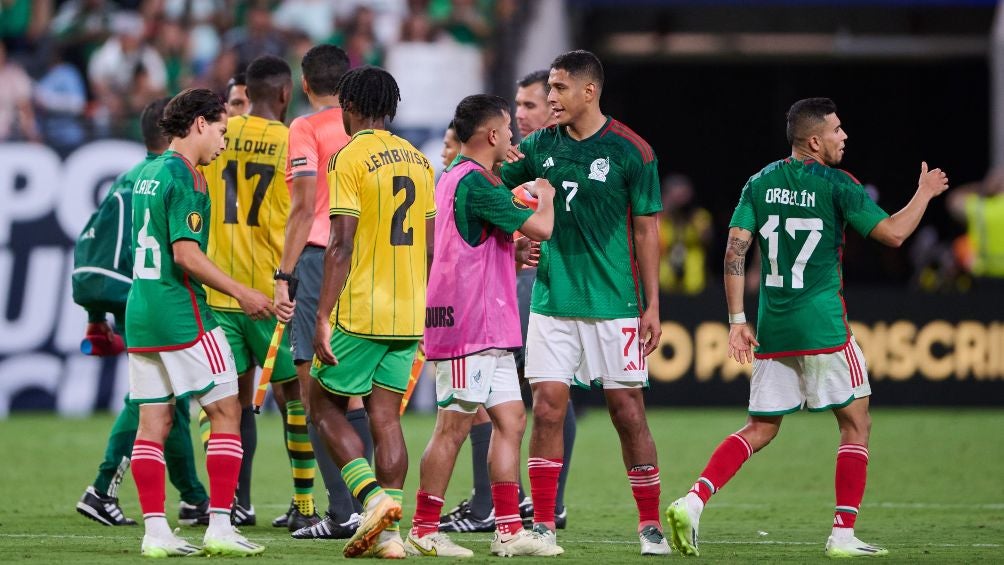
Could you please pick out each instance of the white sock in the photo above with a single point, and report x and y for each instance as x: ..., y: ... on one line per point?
x: 219, y: 524
x: 694, y: 503
x: 157, y: 526
x: 842, y: 534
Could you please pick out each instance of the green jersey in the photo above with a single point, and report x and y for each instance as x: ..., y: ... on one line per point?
x: 102, y: 257
x: 481, y: 204
x: 799, y: 209
x: 588, y: 268
x: 167, y: 308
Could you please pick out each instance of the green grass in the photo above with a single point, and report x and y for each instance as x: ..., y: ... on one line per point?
x: 935, y: 492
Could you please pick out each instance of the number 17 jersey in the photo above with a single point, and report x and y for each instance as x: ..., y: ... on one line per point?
x: 797, y: 211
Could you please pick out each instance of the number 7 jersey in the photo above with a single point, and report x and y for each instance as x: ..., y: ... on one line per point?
x: 797, y: 211
x: 247, y: 187
x: 387, y: 184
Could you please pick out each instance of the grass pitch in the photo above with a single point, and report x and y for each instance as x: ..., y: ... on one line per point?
x: 935, y: 492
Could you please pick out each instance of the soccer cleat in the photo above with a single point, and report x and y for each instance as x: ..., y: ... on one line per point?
x: 171, y: 546
x: 560, y: 519
x: 380, y: 513
x: 240, y: 516
x: 653, y: 542
x: 328, y: 528
x: 526, y: 512
x: 852, y: 547
x: 389, y: 545
x: 193, y: 514
x: 102, y: 509
x: 457, y: 512
x: 435, y: 545
x: 230, y: 544
x: 467, y: 523
x: 282, y: 520
x: 299, y: 520
x: 527, y: 542
x: 683, y: 527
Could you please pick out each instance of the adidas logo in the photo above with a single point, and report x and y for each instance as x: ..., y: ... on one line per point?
x: 549, y: 162
x: 631, y: 366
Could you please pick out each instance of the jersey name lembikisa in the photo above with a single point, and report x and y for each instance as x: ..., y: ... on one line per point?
x: 167, y: 309
x: 588, y: 267
x: 250, y: 205
x: 798, y: 210
x: 388, y: 184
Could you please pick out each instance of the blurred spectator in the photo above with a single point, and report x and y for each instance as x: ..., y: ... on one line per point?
x: 23, y: 23
x: 171, y: 41
x: 312, y: 17
x: 685, y: 232
x: 981, y: 207
x: 200, y: 20
x: 125, y: 74
x: 299, y: 44
x: 358, y: 38
x: 80, y: 27
x: 256, y: 37
x: 217, y: 74
x: 418, y: 28
x: 467, y: 21
x: 61, y: 97
x: 387, y: 15
x: 17, y: 118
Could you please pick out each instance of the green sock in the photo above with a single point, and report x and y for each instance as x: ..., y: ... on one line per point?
x: 301, y: 457
x: 397, y: 495
x: 118, y: 451
x: 362, y: 483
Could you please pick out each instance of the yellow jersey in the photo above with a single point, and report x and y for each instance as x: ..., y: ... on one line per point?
x: 388, y: 184
x: 247, y: 187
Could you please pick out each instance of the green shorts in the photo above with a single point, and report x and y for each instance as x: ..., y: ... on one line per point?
x: 363, y: 363
x: 249, y: 340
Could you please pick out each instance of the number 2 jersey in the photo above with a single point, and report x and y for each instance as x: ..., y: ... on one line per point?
x: 247, y: 185
x: 588, y: 268
x: 797, y: 210
x: 387, y: 184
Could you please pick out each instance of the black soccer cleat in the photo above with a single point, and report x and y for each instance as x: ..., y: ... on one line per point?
x: 526, y: 512
x: 282, y: 520
x: 298, y: 520
x: 240, y: 516
x: 193, y: 514
x: 102, y: 509
x: 328, y: 528
x: 468, y: 522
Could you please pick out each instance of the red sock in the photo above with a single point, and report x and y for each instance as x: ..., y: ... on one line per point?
x: 646, y: 489
x: 505, y: 497
x: 148, y: 470
x: 427, y: 510
x: 223, y: 463
x: 725, y: 462
x: 544, y: 488
x: 852, y: 470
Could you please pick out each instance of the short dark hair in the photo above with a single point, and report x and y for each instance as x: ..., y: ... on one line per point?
x: 452, y: 126
x: 153, y: 136
x: 533, y: 78
x: 806, y: 114
x: 370, y: 92
x: 580, y: 63
x: 188, y: 105
x: 239, y: 79
x: 323, y: 66
x: 266, y: 76
x: 473, y: 111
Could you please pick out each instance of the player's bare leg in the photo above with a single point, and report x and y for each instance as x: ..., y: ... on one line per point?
x: 391, y: 454
x: 550, y: 401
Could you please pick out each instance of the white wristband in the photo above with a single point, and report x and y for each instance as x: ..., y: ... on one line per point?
x: 739, y: 318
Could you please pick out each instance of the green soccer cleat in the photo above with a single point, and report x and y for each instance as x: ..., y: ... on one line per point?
x: 683, y: 527
x: 852, y: 547
x: 230, y: 544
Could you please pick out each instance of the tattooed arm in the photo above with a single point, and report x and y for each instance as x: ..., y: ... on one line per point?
x: 741, y: 336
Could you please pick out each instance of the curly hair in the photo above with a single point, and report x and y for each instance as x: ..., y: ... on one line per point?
x: 370, y: 92
x: 188, y: 105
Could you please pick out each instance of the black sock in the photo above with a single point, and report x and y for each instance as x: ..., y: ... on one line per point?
x: 340, y: 500
x: 249, y: 443
x: 568, y: 433
x: 481, y: 501
x: 360, y: 422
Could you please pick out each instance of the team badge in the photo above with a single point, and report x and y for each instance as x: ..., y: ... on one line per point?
x: 195, y: 222
x: 519, y: 204
x: 599, y: 169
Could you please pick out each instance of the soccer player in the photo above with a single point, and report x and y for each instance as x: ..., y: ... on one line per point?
x: 375, y: 269
x: 471, y: 330
x: 451, y: 145
x: 594, y: 314
x: 313, y: 139
x: 237, y: 95
x: 805, y: 353
x: 246, y: 240
x: 102, y: 275
x: 176, y: 347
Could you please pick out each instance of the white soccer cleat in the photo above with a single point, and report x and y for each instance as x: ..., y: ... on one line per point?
x: 170, y: 546
x: 389, y: 545
x: 527, y: 543
x: 435, y: 545
x: 230, y: 543
x: 683, y: 521
x: 852, y: 547
x: 653, y: 542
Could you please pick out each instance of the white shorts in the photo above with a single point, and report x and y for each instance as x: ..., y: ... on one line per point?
x: 205, y: 370
x: 588, y: 351
x: 487, y: 378
x: 783, y: 385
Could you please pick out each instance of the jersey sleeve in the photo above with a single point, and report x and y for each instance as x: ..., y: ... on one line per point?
x: 515, y: 174
x: 859, y: 210
x: 343, y: 185
x: 302, y: 156
x: 644, y: 190
x: 430, y: 196
x: 186, y: 212
x: 743, y: 216
x: 492, y: 204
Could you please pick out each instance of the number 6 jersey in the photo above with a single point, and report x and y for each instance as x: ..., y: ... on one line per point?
x: 386, y: 183
x: 797, y: 211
